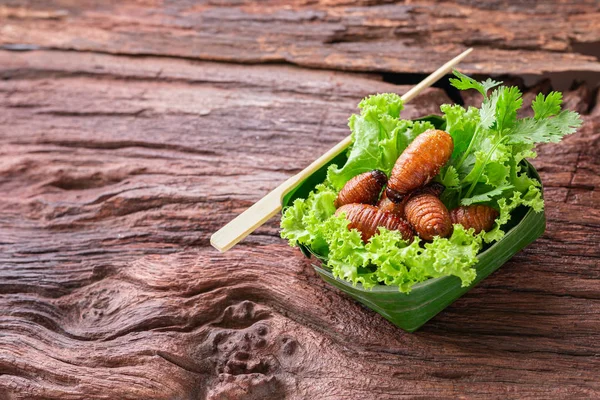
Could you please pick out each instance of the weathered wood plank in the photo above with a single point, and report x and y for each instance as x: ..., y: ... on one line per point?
x: 510, y: 36
x: 114, y: 172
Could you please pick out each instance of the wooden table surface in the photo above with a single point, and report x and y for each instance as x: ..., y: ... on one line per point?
x: 130, y: 131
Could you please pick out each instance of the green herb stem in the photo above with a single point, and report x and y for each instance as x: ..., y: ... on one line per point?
x: 466, y: 153
x: 487, y: 159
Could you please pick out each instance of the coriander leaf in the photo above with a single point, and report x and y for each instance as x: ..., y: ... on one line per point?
x: 449, y: 177
x: 548, y: 106
x: 486, y: 196
x: 508, y: 102
x: 487, y: 113
x: 488, y: 161
x: 531, y: 130
x: 519, y: 178
x: 490, y: 84
x: 465, y: 82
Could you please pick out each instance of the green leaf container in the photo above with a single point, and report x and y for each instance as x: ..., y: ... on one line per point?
x: 426, y: 299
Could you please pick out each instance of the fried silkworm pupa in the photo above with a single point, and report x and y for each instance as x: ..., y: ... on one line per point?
x: 367, y: 219
x: 477, y: 216
x: 434, y: 188
x: 385, y: 204
x: 428, y: 216
x: 419, y: 163
x: 389, y: 206
x: 364, y: 188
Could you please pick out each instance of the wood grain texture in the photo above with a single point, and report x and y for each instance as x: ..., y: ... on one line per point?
x: 115, y: 170
x: 510, y: 36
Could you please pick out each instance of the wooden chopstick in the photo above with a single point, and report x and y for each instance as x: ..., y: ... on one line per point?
x: 245, y: 223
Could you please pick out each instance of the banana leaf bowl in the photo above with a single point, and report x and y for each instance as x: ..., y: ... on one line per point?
x: 426, y: 299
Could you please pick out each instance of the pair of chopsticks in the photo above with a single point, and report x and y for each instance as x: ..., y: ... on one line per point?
x: 245, y: 223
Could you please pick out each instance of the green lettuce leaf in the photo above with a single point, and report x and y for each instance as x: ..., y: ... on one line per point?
x: 389, y: 259
x: 301, y: 221
x: 292, y: 227
x: 532, y: 198
x: 378, y: 138
x: 348, y: 257
x: 461, y: 123
x: 372, y: 139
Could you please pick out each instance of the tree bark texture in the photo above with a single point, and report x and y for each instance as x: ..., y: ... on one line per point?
x: 510, y: 36
x: 126, y: 141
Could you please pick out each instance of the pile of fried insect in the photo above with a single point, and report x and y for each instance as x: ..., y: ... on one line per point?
x: 410, y: 203
x: 381, y: 216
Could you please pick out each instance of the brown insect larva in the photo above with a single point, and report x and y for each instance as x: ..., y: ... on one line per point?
x: 419, y: 163
x: 385, y: 204
x: 428, y: 216
x: 363, y: 188
x: 434, y: 188
x: 367, y: 219
x: 478, y: 216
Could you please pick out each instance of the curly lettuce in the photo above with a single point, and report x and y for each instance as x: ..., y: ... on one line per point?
x: 378, y: 138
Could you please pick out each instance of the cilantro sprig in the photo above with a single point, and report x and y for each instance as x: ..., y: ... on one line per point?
x: 497, y: 139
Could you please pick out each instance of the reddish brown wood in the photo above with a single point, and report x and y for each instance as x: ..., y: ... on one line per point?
x: 115, y: 170
x: 510, y: 36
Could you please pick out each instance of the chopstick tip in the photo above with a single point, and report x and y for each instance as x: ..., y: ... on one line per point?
x: 464, y: 54
x: 213, y: 243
